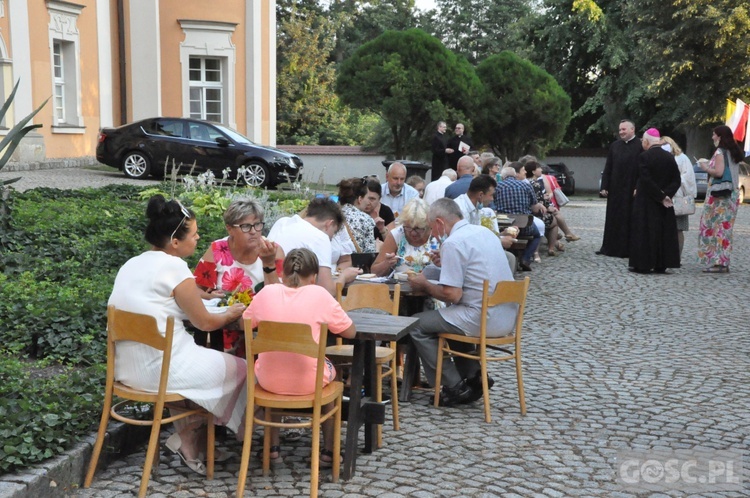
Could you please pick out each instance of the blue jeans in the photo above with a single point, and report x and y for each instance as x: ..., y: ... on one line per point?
x: 533, y: 245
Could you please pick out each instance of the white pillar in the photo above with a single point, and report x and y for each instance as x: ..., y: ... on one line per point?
x: 18, y: 14
x: 145, y: 59
x: 104, y: 50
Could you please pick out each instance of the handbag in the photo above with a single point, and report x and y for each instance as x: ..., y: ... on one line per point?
x: 560, y: 197
x: 683, y: 205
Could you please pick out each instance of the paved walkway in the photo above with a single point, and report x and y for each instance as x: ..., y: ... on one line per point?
x: 613, y: 362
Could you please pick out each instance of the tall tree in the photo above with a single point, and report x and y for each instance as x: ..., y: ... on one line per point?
x: 411, y: 80
x: 479, y: 28
x: 522, y: 108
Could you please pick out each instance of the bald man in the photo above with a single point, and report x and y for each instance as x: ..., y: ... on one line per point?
x: 395, y: 192
x: 465, y: 170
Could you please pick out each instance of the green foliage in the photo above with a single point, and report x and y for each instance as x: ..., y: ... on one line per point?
x: 11, y: 140
x: 478, y: 29
x: 412, y: 81
x: 522, y: 108
x: 44, y: 410
x: 59, y: 256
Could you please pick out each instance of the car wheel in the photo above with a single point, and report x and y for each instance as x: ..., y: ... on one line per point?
x: 742, y: 195
x: 136, y: 165
x: 256, y: 175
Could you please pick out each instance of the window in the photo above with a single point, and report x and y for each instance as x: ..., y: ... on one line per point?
x: 206, y: 89
x: 64, y: 42
x: 208, y: 60
x: 57, y: 65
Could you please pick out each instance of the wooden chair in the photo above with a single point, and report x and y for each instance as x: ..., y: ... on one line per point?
x: 126, y: 326
x: 510, y: 346
x: 292, y: 338
x: 374, y: 296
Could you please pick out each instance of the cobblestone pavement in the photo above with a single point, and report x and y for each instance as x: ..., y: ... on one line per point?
x: 612, y: 362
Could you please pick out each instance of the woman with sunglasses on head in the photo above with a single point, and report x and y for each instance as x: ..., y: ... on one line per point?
x: 239, y: 262
x: 159, y: 283
x: 407, y: 247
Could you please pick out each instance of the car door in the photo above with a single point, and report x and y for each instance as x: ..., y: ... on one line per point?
x: 167, y: 143
x: 210, y: 154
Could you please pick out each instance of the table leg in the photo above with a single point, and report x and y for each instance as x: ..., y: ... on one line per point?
x: 355, y: 403
x: 370, y: 377
x: 411, y: 371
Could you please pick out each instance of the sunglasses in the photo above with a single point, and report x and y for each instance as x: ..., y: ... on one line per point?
x: 185, y: 216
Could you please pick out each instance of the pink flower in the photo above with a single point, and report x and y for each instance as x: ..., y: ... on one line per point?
x: 222, y: 255
x: 235, y: 279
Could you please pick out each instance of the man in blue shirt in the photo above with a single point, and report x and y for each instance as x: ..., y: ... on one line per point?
x: 515, y: 196
x: 465, y: 170
x: 395, y: 192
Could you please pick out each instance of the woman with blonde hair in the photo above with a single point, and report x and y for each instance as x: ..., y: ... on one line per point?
x: 407, y: 246
x: 688, y: 187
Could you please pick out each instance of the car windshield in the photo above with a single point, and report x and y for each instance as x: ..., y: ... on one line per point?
x: 234, y: 135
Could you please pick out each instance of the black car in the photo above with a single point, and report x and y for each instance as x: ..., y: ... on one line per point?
x: 152, y: 146
x: 564, y: 177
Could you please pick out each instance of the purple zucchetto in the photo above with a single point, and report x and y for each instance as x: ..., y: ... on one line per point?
x: 653, y: 132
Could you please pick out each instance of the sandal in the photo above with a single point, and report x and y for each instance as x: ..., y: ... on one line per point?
x: 326, y: 463
x: 560, y: 247
x: 551, y: 252
x: 537, y: 259
x: 274, y: 459
x: 173, y: 443
x: 717, y: 269
x: 572, y: 237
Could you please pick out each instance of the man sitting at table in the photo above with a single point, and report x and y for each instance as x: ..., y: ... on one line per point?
x: 467, y: 257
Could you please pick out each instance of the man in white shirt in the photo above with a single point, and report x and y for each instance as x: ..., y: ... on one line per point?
x: 436, y: 189
x: 395, y: 192
x: 468, y: 255
x: 315, y: 231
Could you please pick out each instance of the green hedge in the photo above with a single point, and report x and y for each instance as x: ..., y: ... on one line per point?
x: 59, y: 253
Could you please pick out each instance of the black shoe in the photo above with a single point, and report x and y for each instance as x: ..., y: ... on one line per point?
x: 476, y: 386
x: 459, y: 394
x: 525, y: 265
x: 636, y: 270
x: 599, y: 253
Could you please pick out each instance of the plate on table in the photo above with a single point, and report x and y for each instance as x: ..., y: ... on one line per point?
x: 366, y: 276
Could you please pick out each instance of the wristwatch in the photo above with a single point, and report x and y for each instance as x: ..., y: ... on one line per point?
x: 269, y: 269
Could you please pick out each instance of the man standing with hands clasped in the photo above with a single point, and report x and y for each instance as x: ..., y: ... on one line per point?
x: 469, y: 254
x: 618, y: 186
x: 653, y: 237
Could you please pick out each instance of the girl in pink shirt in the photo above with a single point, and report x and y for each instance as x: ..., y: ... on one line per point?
x: 297, y: 300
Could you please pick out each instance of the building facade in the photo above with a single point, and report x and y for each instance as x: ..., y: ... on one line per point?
x: 109, y: 62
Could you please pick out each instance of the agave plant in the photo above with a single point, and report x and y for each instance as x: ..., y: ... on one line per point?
x: 9, y: 143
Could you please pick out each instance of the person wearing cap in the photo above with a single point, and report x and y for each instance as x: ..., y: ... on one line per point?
x: 618, y: 183
x: 653, y: 230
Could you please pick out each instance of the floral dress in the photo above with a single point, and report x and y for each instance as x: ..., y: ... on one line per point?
x: 231, y: 276
x: 412, y: 257
x: 547, y: 218
x: 716, y: 226
x: 362, y: 227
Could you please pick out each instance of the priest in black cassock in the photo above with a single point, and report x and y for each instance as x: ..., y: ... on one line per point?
x: 439, y: 151
x: 618, y: 184
x: 459, y: 137
x: 653, y: 227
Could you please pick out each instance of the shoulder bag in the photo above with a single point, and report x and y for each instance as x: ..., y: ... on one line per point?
x: 683, y: 205
x: 560, y: 197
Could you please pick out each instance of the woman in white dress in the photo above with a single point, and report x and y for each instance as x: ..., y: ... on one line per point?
x: 159, y: 283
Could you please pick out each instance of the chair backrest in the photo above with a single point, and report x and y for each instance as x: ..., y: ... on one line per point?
x: 373, y: 296
x: 127, y: 326
x: 289, y: 338
x: 506, y: 292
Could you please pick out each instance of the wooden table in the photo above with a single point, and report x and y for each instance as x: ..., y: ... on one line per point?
x: 414, y: 305
x: 371, y: 328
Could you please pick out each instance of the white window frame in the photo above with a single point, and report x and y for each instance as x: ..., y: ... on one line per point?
x: 203, y: 84
x: 210, y: 39
x: 67, y: 116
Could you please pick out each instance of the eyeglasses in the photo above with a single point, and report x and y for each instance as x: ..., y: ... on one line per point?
x: 416, y: 229
x: 185, y: 216
x: 248, y: 227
